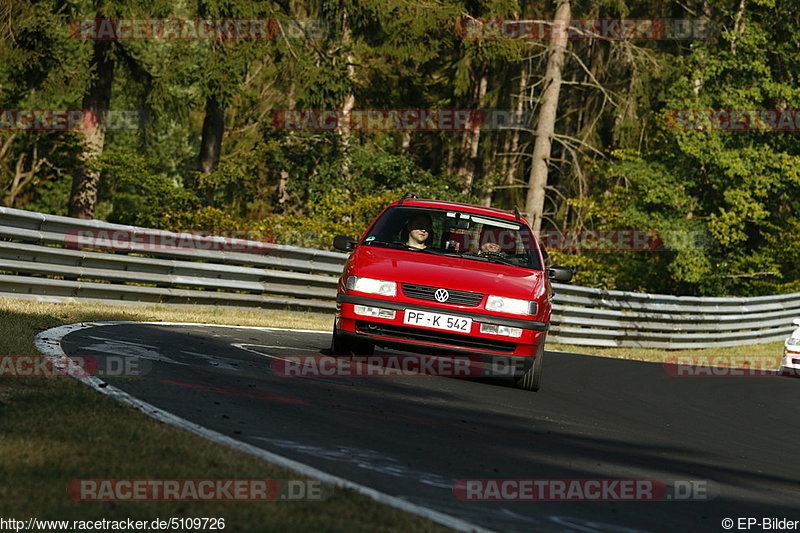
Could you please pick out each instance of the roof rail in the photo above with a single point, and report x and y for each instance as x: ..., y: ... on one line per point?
x: 406, y: 196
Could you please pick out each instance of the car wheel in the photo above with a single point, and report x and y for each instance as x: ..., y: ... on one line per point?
x: 342, y: 346
x: 531, y: 380
x: 364, y: 348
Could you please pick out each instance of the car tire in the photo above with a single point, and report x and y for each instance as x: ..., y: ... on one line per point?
x: 364, y: 348
x: 532, y: 378
x: 342, y: 346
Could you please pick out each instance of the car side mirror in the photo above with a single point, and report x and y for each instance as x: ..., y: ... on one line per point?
x: 344, y: 243
x: 559, y: 273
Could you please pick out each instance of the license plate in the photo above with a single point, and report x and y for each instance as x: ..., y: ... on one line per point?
x: 435, y: 320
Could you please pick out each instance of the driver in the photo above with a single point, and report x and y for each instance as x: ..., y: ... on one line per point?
x: 419, y: 230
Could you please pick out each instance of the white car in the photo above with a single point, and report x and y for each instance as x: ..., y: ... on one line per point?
x: 791, y: 352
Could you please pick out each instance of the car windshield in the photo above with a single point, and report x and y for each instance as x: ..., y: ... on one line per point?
x: 451, y: 232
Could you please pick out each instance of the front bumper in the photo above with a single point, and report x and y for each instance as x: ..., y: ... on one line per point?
x: 394, y: 332
x: 791, y: 358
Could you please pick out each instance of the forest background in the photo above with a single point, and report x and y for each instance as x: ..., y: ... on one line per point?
x: 189, y: 136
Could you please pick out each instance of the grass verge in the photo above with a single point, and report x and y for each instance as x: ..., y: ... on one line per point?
x: 56, y: 430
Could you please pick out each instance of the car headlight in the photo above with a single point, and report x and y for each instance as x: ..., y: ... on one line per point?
x: 373, y: 286
x: 511, y: 305
x: 793, y: 341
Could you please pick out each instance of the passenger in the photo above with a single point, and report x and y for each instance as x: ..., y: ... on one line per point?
x: 491, y: 238
x: 419, y: 229
x: 491, y: 247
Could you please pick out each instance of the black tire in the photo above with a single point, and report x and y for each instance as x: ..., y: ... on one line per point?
x: 360, y: 347
x: 342, y: 346
x: 339, y: 346
x: 532, y: 379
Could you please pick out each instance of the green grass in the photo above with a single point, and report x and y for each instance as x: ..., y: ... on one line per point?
x: 55, y: 430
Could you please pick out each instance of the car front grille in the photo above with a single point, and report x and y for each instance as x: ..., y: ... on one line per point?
x: 424, y: 292
x: 439, y: 337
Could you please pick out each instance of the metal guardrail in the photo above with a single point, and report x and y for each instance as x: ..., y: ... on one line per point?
x: 43, y: 257
x: 595, y: 317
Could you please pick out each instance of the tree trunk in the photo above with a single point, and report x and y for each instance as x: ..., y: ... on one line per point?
x: 512, y: 161
x: 697, y: 83
x: 349, y: 99
x: 472, y: 139
x: 738, y: 26
x: 500, y: 143
x: 213, y: 130
x: 405, y: 142
x: 283, y: 182
x: 537, y: 180
x: 96, y: 101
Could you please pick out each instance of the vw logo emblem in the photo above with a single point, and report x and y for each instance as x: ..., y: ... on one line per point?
x: 441, y: 295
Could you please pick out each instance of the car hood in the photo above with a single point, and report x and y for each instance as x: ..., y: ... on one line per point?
x: 447, y: 272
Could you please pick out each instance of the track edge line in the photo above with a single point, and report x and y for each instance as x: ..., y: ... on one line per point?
x: 49, y: 343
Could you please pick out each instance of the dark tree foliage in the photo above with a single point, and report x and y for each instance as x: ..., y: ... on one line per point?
x: 202, y: 148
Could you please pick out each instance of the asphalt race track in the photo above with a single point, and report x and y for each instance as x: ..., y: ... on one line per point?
x: 414, y: 437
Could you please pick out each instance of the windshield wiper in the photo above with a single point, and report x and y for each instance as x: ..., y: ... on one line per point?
x: 488, y: 258
x: 494, y: 259
x: 402, y: 246
x: 395, y: 244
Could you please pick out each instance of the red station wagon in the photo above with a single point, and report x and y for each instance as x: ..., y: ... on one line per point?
x: 447, y: 277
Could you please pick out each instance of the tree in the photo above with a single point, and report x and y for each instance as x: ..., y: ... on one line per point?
x: 96, y: 101
x: 534, y: 201
x: 106, y: 54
